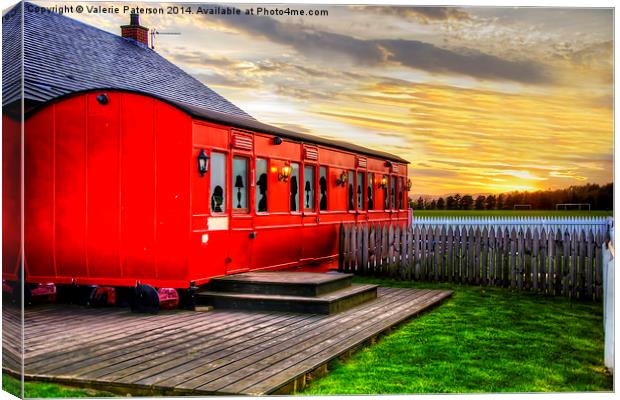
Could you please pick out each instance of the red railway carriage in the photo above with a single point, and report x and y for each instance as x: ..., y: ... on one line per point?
x: 122, y: 187
x: 160, y: 181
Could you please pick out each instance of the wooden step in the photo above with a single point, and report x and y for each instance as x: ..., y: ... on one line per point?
x: 329, y: 303
x: 284, y: 283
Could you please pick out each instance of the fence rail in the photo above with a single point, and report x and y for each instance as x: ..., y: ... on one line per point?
x: 566, y: 262
x: 596, y: 224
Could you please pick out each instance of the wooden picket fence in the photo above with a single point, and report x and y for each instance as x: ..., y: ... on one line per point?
x: 563, y: 263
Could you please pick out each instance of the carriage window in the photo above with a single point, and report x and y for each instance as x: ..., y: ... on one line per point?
x: 240, y: 183
x: 323, y: 188
x: 386, y: 199
x: 218, y: 182
x: 308, y: 188
x: 261, y: 185
x: 393, y: 192
x: 360, y: 190
x: 400, y: 193
x: 351, y: 194
x: 294, y: 190
x: 371, y: 200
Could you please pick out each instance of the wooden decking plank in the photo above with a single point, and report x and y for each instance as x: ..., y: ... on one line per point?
x: 100, y: 324
x: 91, y: 326
x: 118, y: 371
x: 105, y: 346
x: 125, y: 346
x: 279, y: 348
x: 114, y: 331
x: 308, y: 360
x: 208, y: 345
x: 234, y: 346
x: 70, y: 316
x: 203, y: 366
x: 322, y: 338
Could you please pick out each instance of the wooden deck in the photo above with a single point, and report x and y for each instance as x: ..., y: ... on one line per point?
x: 183, y: 352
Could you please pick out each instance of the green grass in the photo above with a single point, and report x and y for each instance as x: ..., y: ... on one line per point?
x: 480, y: 340
x: 43, y: 389
x: 509, y: 213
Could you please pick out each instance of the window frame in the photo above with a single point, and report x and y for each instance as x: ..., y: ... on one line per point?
x: 249, y: 192
x: 318, y: 192
x: 225, y: 153
x: 371, y: 183
x: 364, y: 187
x: 351, y: 184
x: 315, y: 205
x: 288, y: 184
x: 267, y: 163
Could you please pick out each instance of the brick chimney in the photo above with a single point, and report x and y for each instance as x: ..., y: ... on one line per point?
x: 135, y: 31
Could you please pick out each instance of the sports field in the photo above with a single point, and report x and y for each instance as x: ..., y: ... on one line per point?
x: 510, y: 213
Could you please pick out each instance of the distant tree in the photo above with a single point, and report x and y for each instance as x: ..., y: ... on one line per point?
x: 450, y: 203
x: 419, y: 205
x: 501, y: 201
x: 466, y: 202
x: 410, y: 203
x: 457, y: 201
x: 433, y: 205
x: 441, y: 203
x: 479, y: 203
x: 491, y: 201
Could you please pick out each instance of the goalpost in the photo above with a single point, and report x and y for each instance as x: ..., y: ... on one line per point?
x: 572, y: 206
x: 522, y: 207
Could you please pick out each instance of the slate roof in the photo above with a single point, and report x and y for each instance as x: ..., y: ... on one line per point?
x: 62, y: 56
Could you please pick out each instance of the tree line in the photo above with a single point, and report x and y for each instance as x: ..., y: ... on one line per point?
x: 599, y: 197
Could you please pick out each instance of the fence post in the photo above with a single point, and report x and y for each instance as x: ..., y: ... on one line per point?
x: 608, y: 302
x: 582, y: 264
x: 506, y: 271
x: 417, y: 251
x: 364, y: 268
x: 341, y: 247
x: 449, y: 249
x: 534, y: 259
x: 513, y: 255
x: 410, y: 263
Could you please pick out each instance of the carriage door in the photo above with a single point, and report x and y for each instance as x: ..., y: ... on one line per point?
x: 309, y: 200
x: 241, y: 185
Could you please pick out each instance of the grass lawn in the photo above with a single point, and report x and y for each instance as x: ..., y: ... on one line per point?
x: 42, y: 389
x: 510, y: 213
x: 480, y: 340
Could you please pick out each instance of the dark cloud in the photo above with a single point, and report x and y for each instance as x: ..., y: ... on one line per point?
x: 234, y: 81
x: 410, y: 53
x: 425, y: 15
x: 428, y: 57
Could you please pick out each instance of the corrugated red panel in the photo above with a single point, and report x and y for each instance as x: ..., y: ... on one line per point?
x: 311, y: 153
x: 242, y: 142
x: 361, y: 162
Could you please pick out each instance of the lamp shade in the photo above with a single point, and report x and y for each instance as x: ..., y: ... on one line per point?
x: 238, y: 181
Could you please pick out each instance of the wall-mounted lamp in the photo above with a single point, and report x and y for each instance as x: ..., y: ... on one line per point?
x: 277, y: 140
x: 388, y: 164
x: 285, y: 173
x: 102, y: 99
x: 342, y: 180
x: 203, y: 162
x: 408, y: 184
x: 382, y: 183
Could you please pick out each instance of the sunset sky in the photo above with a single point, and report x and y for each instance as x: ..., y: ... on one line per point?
x: 480, y: 100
